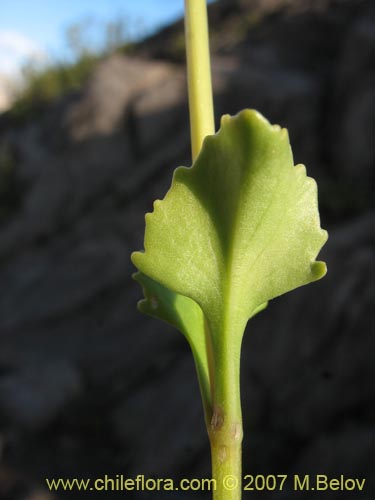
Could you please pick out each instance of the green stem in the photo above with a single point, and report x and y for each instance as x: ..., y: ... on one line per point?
x: 226, y: 466
x: 225, y: 430
x: 223, y: 418
x: 199, y: 73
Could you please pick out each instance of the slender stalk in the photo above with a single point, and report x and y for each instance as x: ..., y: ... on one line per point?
x: 223, y: 414
x: 226, y: 467
x: 225, y: 430
x: 199, y: 73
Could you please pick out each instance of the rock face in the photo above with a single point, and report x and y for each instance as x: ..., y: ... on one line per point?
x: 88, y: 386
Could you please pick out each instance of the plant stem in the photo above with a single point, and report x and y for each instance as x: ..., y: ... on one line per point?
x: 225, y: 430
x: 224, y: 421
x: 199, y: 73
x: 226, y: 467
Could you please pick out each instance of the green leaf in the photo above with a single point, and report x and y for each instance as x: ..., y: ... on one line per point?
x: 238, y: 228
x: 186, y: 316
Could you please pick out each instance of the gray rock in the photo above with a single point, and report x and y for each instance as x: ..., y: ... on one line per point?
x: 336, y: 461
x: 102, y: 107
x: 70, y: 281
x: 33, y: 395
x: 354, y: 90
x: 156, y: 113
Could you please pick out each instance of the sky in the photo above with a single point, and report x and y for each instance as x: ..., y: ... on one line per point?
x: 36, y: 29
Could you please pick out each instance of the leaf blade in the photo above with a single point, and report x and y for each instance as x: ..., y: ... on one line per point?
x: 184, y: 314
x: 238, y: 228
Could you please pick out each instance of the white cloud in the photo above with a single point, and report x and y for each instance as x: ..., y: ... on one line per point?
x: 15, y: 51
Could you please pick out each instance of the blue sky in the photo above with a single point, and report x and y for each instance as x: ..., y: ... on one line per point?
x: 37, y: 28
x: 44, y: 21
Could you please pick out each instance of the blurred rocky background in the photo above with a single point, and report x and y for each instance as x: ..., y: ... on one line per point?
x: 88, y: 386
